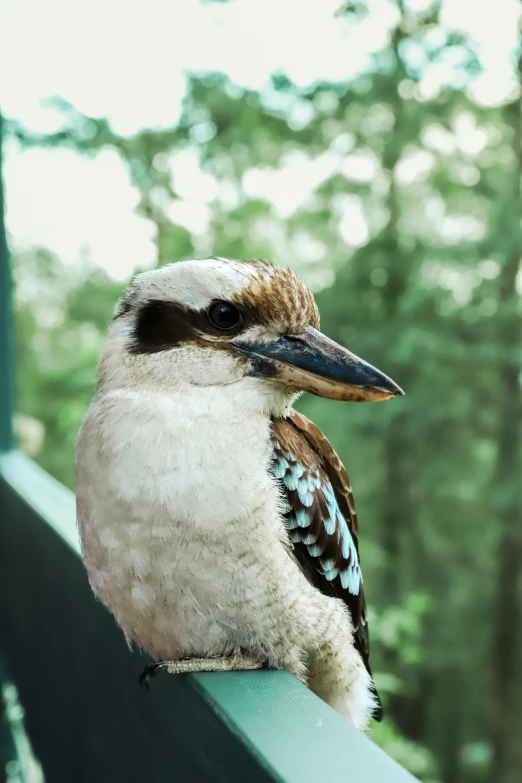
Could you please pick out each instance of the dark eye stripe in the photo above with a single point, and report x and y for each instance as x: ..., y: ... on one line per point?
x: 161, y: 325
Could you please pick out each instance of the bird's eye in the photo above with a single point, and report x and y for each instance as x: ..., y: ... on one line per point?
x: 224, y: 316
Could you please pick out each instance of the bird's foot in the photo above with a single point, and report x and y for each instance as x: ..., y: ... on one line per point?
x: 233, y: 663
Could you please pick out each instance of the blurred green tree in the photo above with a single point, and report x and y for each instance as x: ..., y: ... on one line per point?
x: 409, y: 229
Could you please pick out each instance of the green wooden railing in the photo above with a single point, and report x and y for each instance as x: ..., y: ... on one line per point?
x: 86, y: 716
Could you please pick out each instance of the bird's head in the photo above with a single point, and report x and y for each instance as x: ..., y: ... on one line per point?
x: 220, y: 321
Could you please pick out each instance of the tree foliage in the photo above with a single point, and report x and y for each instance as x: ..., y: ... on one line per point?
x: 426, y: 290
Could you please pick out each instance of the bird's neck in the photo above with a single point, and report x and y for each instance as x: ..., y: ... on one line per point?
x: 205, y: 454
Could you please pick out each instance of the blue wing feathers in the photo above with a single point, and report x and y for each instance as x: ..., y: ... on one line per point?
x: 303, y: 523
x: 321, y: 519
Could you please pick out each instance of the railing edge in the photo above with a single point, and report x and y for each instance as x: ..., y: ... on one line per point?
x: 53, y: 502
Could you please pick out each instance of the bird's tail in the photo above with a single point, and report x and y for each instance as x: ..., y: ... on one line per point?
x: 378, y: 712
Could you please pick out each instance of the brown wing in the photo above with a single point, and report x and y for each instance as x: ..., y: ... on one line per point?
x: 321, y: 520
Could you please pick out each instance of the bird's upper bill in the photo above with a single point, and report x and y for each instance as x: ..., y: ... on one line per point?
x: 260, y: 319
x: 312, y: 362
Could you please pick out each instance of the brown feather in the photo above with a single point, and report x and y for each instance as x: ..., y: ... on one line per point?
x: 299, y: 442
x: 278, y: 298
x: 334, y: 467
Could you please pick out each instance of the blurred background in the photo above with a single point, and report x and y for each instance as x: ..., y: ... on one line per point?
x: 376, y: 148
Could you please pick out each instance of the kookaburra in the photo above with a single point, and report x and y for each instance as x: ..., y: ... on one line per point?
x: 217, y: 523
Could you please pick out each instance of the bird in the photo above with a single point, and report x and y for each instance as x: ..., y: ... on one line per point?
x: 217, y: 523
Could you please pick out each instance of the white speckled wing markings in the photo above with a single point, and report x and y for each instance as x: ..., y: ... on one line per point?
x: 305, y: 527
x: 321, y: 519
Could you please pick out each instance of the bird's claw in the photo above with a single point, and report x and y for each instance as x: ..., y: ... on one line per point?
x: 150, y: 671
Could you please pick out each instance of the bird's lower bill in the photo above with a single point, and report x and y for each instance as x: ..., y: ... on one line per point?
x: 312, y: 362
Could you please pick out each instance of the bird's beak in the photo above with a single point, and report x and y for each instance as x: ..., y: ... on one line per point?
x: 312, y: 362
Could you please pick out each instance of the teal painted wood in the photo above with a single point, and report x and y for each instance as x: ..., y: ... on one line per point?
x: 7, y: 382
x: 255, y: 726
x: 53, y: 503
x: 298, y: 737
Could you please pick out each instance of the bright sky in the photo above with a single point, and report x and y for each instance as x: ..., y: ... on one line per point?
x: 126, y: 60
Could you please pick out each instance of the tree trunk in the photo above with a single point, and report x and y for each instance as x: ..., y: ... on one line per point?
x: 397, y: 513
x: 507, y: 608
